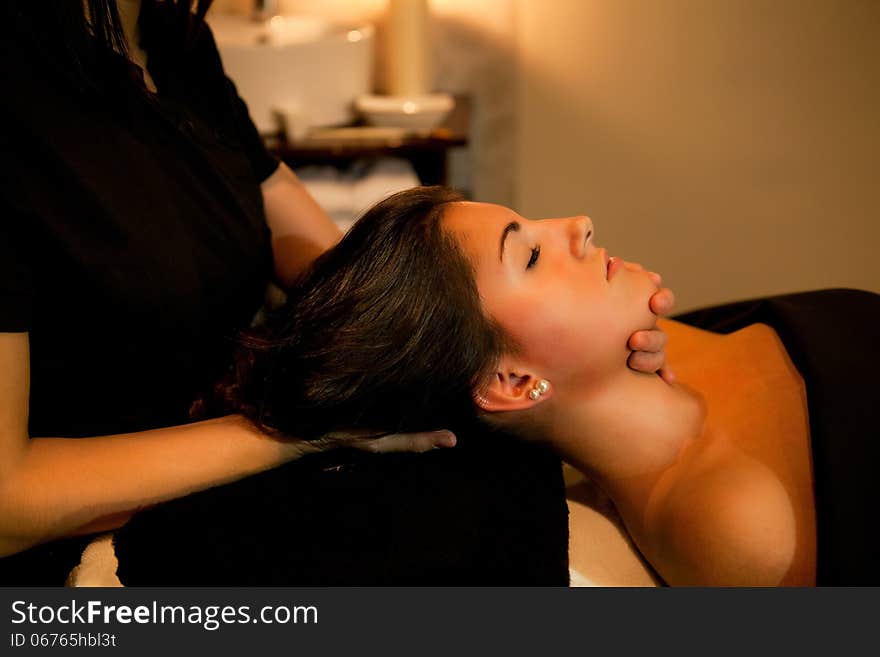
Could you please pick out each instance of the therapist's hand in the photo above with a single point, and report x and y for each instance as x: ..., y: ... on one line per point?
x: 648, y: 346
x: 370, y: 441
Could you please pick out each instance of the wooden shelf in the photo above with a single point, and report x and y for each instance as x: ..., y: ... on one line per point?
x: 426, y: 150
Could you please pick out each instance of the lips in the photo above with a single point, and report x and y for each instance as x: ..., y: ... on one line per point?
x: 613, y: 266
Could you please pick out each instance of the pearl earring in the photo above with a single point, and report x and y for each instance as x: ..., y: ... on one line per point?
x: 541, y: 387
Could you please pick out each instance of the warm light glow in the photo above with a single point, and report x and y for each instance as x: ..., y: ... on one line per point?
x: 354, y: 36
x: 410, y: 107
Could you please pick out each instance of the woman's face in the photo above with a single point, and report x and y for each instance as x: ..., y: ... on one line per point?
x: 547, y: 284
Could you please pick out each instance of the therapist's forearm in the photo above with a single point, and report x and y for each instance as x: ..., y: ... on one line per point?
x: 67, y: 486
x: 301, y: 230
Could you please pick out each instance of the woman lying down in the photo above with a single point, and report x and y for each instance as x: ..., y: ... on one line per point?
x: 750, y: 469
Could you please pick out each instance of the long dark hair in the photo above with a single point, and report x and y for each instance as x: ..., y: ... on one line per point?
x: 385, y: 332
x: 75, y: 36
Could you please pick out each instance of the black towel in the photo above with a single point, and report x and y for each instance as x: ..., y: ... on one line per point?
x: 491, y: 511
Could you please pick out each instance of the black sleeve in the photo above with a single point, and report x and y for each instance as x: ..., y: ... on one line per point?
x: 262, y: 161
x: 16, y: 281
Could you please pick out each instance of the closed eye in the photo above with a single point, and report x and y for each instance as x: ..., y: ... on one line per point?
x: 536, y: 253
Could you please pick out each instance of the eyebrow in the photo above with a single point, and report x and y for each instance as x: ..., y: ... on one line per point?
x: 512, y: 227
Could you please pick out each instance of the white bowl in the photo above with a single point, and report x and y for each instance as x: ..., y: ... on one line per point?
x: 412, y: 112
x: 319, y: 66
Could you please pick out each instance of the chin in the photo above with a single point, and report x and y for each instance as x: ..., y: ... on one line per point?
x: 642, y: 317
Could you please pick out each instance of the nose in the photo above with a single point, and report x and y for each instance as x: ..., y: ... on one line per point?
x: 580, y: 233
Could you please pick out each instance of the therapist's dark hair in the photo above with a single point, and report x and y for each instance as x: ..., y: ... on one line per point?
x: 76, y: 36
x: 385, y: 332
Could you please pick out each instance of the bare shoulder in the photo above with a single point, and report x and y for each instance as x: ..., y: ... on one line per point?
x: 731, y: 525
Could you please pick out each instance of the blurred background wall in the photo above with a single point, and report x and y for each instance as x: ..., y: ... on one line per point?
x: 731, y: 145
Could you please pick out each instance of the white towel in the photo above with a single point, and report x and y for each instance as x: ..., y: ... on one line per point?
x: 97, y: 566
x: 345, y: 195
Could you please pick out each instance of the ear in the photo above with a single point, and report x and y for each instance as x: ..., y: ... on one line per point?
x: 509, y: 390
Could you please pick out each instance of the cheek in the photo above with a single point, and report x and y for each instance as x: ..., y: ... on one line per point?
x: 568, y: 335
x: 588, y: 347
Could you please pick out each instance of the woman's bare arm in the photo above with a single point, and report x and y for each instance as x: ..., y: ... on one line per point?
x: 301, y: 230
x: 733, y: 525
x: 54, y: 487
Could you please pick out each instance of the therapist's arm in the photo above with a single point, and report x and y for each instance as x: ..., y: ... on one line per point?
x: 56, y: 487
x: 301, y: 230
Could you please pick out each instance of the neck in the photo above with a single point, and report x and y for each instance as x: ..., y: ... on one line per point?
x: 128, y: 14
x: 627, y: 434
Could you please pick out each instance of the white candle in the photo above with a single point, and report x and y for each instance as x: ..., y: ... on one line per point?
x: 407, y: 69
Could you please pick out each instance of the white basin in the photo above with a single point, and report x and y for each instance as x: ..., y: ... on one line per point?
x: 300, y: 65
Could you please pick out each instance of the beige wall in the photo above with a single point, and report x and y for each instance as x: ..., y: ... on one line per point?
x: 732, y: 145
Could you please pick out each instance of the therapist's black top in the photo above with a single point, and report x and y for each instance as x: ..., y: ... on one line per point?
x: 133, y: 243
